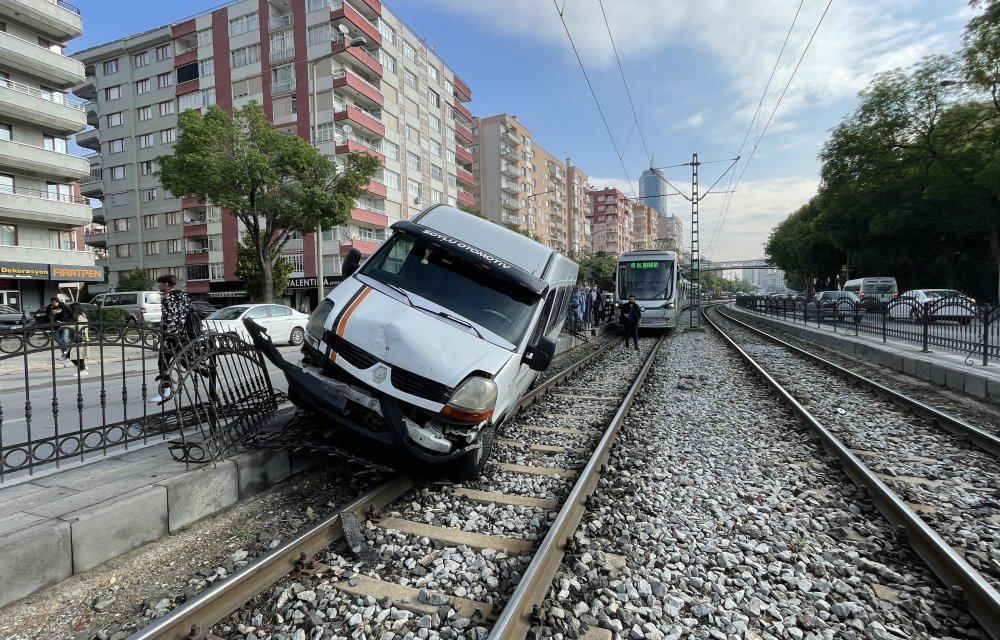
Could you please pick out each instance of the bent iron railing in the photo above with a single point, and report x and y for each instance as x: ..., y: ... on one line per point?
x: 954, y: 324
x: 51, y: 416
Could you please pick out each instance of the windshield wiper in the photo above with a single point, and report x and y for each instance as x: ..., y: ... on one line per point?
x: 396, y: 289
x: 456, y: 319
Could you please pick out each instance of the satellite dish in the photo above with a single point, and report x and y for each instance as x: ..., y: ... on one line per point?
x: 343, y: 28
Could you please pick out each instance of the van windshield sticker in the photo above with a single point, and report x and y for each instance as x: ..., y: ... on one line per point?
x: 488, y: 257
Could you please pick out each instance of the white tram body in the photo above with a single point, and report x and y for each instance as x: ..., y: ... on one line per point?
x: 653, y: 277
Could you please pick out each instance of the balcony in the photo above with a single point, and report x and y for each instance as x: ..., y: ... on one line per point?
x: 92, y: 186
x: 508, y: 152
x: 365, y: 246
x: 282, y: 55
x: 87, y: 89
x: 510, y: 136
x: 339, y: 45
x: 464, y: 154
x: 356, y: 145
x: 461, y: 108
x: 90, y: 109
x: 277, y: 23
x: 509, y: 169
x: 466, y: 197
x: 57, y: 211
x: 59, y: 21
x: 463, y: 132
x: 464, y: 175
x: 89, y: 139
x: 377, y: 189
x: 52, y: 110
x: 363, y: 119
x: 510, y: 187
x: 369, y: 217
x: 98, y: 217
x: 282, y: 87
x: 55, y: 69
x: 353, y: 17
x: 95, y: 238
x: 354, y: 85
x: 197, y: 255
x: 371, y: 9
x: 462, y: 90
x: 195, y: 228
x: 36, y: 161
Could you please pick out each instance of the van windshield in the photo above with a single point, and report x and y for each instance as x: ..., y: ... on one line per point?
x: 414, y: 265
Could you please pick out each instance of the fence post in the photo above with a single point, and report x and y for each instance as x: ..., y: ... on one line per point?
x: 885, y: 322
x: 927, y: 328
x: 985, y: 311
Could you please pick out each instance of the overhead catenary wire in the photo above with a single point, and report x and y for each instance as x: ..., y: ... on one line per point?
x: 594, y: 95
x: 770, y: 118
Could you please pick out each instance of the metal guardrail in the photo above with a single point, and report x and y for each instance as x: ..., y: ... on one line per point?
x: 43, y: 195
x: 955, y: 324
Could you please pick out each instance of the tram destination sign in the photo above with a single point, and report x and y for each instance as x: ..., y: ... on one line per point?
x: 649, y: 264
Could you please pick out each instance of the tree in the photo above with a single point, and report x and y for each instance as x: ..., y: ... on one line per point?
x: 524, y: 232
x: 598, y: 269
x: 135, y: 280
x: 274, y: 183
x: 468, y: 208
x: 249, y: 272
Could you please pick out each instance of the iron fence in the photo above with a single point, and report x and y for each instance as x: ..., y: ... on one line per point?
x: 955, y: 324
x: 102, y: 398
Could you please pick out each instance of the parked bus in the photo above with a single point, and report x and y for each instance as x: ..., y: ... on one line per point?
x: 653, y: 277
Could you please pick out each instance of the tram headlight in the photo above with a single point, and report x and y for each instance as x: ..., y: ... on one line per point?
x: 473, y: 401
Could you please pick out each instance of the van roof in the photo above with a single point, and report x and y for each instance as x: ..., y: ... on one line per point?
x: 493, y: 238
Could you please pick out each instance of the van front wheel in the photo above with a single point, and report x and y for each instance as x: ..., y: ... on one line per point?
x: 471, y: 465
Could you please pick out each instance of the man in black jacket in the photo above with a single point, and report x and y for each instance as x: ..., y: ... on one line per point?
x: 176, y: 306
x: 58, y: 316
x: 630, y: 318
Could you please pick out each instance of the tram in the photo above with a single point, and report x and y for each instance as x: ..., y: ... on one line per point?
x: 653, y: 277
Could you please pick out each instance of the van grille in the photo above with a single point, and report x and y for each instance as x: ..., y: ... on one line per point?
x: 402, y: 379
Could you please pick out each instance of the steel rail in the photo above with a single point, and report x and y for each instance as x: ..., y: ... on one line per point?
x: 979, y: 437
x: 193, y: 619
x: 515, y: 620
x: 965, y: 583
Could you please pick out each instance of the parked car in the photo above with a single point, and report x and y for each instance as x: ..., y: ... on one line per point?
x: 834, y: 305
x: 937, y: 304
x: 283, y: 324
x: 10, y: 319
x: 203, y: 309
x: 139, y: 305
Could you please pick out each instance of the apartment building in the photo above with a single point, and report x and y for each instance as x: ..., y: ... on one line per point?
x: 345, y: 74
x: 611, y: 221
x: 643, y: 226
x: 41, y: 211
x: 520, y: 184
x: 670, y: 233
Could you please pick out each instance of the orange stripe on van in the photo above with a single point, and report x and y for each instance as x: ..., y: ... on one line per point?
x: 347, y: 314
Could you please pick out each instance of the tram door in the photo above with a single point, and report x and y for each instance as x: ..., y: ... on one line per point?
x: 11, y: 299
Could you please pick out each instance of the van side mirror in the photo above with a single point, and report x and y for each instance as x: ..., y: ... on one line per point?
x: 539, y: 355
x: 351, y: 263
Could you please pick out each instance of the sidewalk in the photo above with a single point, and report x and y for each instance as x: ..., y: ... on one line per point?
x: 12, y: 365
x: 942, y: 368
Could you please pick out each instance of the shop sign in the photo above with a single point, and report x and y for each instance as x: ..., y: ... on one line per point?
x: 75, y: 273
x: 310, y: 283
x: 61, y: 272
x: 24, y: 271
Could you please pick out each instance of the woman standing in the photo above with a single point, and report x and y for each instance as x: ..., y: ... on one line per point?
x: 78, y: 354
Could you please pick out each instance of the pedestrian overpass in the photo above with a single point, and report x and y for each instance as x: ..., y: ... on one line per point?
x: 710, y: 265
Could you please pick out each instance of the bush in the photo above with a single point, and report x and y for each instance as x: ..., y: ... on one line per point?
x: 108, y: 316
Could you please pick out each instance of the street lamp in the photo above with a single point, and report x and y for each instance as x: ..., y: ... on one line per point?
x: 351, y: 42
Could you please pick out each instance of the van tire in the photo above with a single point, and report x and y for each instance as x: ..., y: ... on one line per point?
x: 471, y: 465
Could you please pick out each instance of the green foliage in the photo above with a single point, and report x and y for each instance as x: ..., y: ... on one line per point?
x: 468, y: 208
x: 108, y: 316
x: 135, y: 280
x: 597, y: 269
x: 275, y: 183
x: 524, y: 232
x: 248, y: 270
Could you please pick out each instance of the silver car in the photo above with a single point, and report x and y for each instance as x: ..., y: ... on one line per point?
x: 934, y: 304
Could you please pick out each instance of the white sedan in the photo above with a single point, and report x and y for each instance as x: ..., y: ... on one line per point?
x: 283, y: 324
x: 938, y: 304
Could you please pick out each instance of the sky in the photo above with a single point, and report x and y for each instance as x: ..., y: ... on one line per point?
x: 690, y: 76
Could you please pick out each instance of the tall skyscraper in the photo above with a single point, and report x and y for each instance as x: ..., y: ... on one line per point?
x: 653, y: 190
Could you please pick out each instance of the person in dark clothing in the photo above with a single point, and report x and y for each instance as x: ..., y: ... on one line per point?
x: 176, y: 306
x: 59, y: 317
x: 630, y: 318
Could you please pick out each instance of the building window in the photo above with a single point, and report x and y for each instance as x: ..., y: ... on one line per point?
x: 410, y: 78
x: 151, y: 248
x: 437, y: 173
x: 119, y: 199
x: 388, y: 33
x: 413, y: 189
x: 168, y: 135
x: 215, y: 242
x: 114, y: 119
x: 217, y: 271
x: 147, y: 195
x: 144, y: 113
x: 245, y: 55
x: 409, y: 52
x: 246, y: 87
x: 110, y: 66
x: 412, y: 161
x: 172, y: 219
x: 388, y: 62
x: 437, y: 196
x: 413, y: 134
x: 140, y: 59
x: 6, y: 183
x: 166, y: 107
x: 197, y: 272
x: 433, y: 97
x: 435, y: 148
x: 145, y: 140
x: 326, y: 132
x: 142, y: 86
x: 8, y: 235
x: 433, y: 122
x: 57, y: 191
x: 173, y: 246
x: 432, y: 73
x: 116, y: 146
x: 123, y: 224
x: 113, y: 93
x: 390, y: 149
x: 118, y: 173
x: 205, y: 37
x: 319, y: 34
x: 165, y: 80
x: 52, y: 143
x: 390, y: 179
x: 316, y: 5
x: 149, y: 222
x: 164, y: 52
x: 213, y: 213
x: 206, y: 67
x: 244, y: 24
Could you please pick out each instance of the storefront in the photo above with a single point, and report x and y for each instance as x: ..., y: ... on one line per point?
x: 303, y: 294
x: 27, y: 286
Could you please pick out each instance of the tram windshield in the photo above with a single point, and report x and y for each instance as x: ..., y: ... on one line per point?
x: 646, y: 279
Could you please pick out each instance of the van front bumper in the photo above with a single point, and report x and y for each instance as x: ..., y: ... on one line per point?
x: 310, y: 390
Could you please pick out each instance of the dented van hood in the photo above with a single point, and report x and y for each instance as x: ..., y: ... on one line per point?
x: 409, y: 338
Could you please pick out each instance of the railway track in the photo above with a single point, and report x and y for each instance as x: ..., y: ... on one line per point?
x: 931, y: 474
x: 472, y: 558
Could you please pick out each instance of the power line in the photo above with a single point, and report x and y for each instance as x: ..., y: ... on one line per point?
x: 594, y: 95
x: 625, y: 82
x: 770, y: 118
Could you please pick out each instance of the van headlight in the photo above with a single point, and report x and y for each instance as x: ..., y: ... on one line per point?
x: 670, y: 305
x: 473, y: 401
x: 317, y: 321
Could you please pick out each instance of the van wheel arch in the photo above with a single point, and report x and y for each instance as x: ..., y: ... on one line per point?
x: 472, y: 464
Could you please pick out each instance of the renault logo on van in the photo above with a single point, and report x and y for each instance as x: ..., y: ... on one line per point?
x: 378, y: 375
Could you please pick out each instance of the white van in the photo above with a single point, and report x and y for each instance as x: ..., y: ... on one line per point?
x: 880, y: 288
x: 430, y: 344
x: 139, y: 305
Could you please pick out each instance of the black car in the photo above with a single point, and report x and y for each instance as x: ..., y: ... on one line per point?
x: 202, y: 308
x: 11, y: 319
